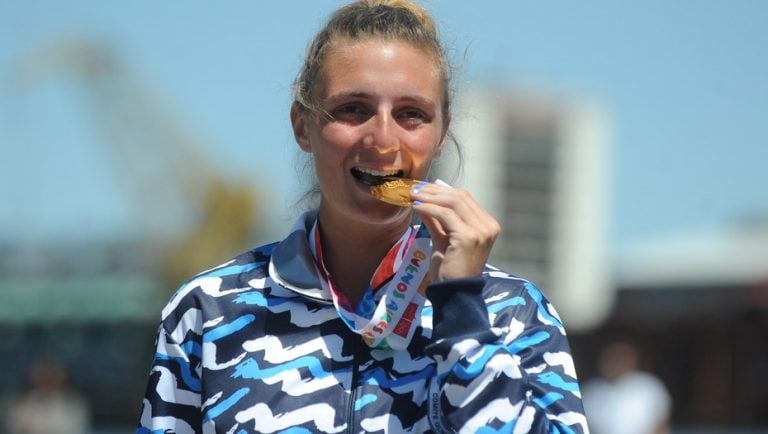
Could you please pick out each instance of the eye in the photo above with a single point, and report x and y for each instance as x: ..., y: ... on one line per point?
x: 412, y: 117
x: 354, y: 112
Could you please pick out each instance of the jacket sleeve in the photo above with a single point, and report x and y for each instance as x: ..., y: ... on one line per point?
x: 516, y: 375
x: 172, y: 400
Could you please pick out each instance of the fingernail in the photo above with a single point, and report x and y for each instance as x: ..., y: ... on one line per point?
x: 417, y: 188
x: 416, y: 202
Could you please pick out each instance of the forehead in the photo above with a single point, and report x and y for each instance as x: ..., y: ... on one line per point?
x: 341, y: 44
x: 380, y: 64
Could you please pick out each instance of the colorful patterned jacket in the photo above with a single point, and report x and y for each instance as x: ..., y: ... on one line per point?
x: 255, y: 345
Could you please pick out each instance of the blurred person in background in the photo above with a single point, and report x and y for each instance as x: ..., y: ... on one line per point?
x: 626, y: 400
x: 359, y: 320
x: 48, y: 405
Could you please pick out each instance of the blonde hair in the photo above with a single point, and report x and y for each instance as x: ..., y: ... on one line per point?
x: 391, y: 20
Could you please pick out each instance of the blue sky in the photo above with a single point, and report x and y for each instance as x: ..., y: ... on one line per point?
x: 683, y: 83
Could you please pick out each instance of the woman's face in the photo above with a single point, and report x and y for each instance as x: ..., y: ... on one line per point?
x: 384, y: 99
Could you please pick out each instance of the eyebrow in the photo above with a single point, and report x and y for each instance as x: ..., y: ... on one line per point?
x: 365, y: 95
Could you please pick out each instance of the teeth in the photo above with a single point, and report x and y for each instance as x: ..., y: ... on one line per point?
x: 378, y: 172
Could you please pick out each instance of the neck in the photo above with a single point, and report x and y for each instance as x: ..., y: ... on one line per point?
x: 353, y: 250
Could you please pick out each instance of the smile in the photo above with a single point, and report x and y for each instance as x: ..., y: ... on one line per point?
x: 374, y: 177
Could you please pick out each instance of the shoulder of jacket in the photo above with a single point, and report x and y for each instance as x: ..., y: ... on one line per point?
x: 522, y: 298
x: 502, y: 288
x: 497, y: 280
x: 243, y: 272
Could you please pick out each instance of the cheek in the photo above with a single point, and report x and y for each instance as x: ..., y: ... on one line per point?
x: 337, y: 136
x: 425, y: 148
x: 329, y: 151
x: 328, y: 148
x: 422, y: 161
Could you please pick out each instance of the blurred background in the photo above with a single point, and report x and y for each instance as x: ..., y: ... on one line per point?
x: 621, y: 144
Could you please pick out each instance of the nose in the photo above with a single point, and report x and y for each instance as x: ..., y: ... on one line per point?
x: 382, y: 134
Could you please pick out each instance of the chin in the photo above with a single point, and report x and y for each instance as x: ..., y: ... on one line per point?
x: 383, y: 213
x: 375, y: 213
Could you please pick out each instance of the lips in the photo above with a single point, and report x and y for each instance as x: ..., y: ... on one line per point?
x: 371, y: 177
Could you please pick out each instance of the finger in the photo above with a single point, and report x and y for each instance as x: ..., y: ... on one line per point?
x: 433, y: 225
x: 444, y: 219
x: 458, y: 200
x: 457, y: 211
x: 441, y: 197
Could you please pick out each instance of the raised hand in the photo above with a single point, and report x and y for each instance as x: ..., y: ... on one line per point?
x: 462, y: 232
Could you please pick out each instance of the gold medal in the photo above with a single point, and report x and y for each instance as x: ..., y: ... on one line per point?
x: 395, y: 191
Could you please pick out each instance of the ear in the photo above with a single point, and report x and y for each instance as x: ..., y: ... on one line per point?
x: 299, y: 123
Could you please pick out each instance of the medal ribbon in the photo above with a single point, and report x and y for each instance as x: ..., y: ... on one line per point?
x: 392, y: 322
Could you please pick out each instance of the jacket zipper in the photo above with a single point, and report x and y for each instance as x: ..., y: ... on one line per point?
x: 353, y: 388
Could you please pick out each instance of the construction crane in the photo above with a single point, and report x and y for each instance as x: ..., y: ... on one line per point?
x: 171, y: 177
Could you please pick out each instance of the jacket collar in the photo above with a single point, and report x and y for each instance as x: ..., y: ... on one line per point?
x: 292, y: 265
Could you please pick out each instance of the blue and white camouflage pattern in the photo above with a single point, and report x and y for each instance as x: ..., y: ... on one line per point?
x: 239, y: 353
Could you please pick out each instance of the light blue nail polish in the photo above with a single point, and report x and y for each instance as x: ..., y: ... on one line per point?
x: 416, y: 202
x: 417, y: 188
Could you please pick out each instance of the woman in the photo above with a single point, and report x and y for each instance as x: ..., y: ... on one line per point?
x: 358, y: 321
